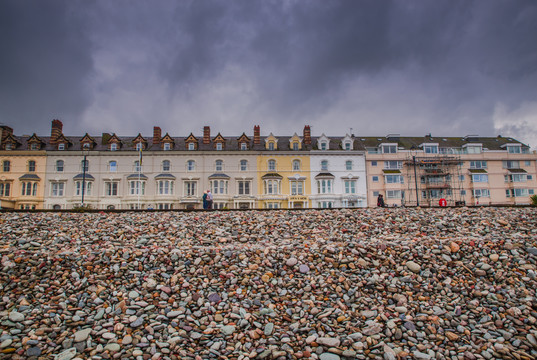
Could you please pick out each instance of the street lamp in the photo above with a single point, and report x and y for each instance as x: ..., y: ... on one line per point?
x: 85, y: 151
x: 413, y: 152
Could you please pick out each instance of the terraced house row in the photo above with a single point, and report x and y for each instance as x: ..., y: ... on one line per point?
x: 253, y: 171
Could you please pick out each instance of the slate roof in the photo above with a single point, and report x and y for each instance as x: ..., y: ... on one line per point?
x: 232, y: 144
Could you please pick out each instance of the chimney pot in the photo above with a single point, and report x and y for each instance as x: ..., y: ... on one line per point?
x: 206, y: 135
x: 257, y: 137
x: 55, y: 131
x: 307, y: 135
x: 157, y: 134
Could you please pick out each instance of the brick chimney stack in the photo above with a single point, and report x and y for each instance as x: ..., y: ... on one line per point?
x: 157, y: 135
x: 257, y: 137
x: 307, y: 135
x: 55, y: 131
x: 206, y: 135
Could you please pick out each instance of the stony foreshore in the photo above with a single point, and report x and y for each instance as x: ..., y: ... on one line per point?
x: 338, y: 284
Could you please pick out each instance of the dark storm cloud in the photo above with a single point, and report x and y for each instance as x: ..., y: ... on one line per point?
x: 45, y: 61
x: 453, y: 67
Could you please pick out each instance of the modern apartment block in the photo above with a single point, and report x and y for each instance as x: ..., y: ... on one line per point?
x: 470, y: 170
x: 253, y: 171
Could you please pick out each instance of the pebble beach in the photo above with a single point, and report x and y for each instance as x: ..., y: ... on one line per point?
x: 402, y: 283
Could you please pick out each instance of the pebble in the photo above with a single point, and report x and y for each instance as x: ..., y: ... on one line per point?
x: 337, y: 284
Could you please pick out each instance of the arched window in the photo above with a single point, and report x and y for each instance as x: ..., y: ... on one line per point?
x: 59, y: 165
x: 296, y: 165
x: 219, y: 165
x: 324, y: 165
x: 166, y: 166
x: 31, y: 166
x: 272, y: 165
x: 244, y: 165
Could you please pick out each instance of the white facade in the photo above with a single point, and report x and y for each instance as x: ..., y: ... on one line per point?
x: 338, y: 179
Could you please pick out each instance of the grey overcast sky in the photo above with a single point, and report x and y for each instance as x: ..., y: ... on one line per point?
x: 446, y: 67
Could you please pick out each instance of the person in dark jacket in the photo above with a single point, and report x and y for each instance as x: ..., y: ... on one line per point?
x: 380, y: 201
x: 205, y: 201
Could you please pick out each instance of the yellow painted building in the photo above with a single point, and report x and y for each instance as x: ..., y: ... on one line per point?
x: 283, y: 174
x: 22, y: 179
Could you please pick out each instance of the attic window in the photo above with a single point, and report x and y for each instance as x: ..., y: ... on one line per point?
x: 61, y: 146
x: 271, y: 145
x: 347, y: 145
x: 166, y: 146
x: 191, y: 146
x: 323, y: 145
x: 139, y: 146
x: 86, y: 145
x: 113, y: 147
x: 243, y: 146
x: 218, y: 146
x: 34, y: 146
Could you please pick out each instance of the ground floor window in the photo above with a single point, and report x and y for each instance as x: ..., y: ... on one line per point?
x: 27, y: 207
x: 56, y: 207
x: 165, y: 187
x: 324, y: 205
x: 481, y: 193
x: 272, y: 205
x: 272, y: 186
x: 57, y: 189
x: 111, y: 207
x: 29, y: 188
x: 244, y: 187
x: 349, y: 203
x: 350, y: 186
x: 518, y: 192
x: 243, y: 205
x: 110, y: 188
x: 5, y: 188
x: 137, y: 187
x: 394, y: 194
x: 190, y: 188
x: 87, y: 188
x: 219, y: 205
x: 219, y: 186
x: 165, y: 206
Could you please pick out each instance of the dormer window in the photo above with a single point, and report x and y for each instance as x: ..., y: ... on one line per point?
x: 514, y: 149
x: 139, y: 146
x: 166, y: 146
x: 389, y: 148
x: 61, y: 146
x: 113, y: 147
x: 430, y: 148
x: 9, y: 146
x: 86, y: 146
x: 34, y: 146
x: 191, y: 146
x: 271, y: 145
x: 347, y: 145
x: 244, y: 146
x: 218, y: 146
x: 472, y: 148
x: 323, y: 145
x: 295, y: 146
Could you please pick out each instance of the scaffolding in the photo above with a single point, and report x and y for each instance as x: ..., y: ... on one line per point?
x: 433, y: 177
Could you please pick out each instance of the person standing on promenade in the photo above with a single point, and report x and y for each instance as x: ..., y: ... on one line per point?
x: 380, y: 201
x: 205, y: 201
x: 209, y: 199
